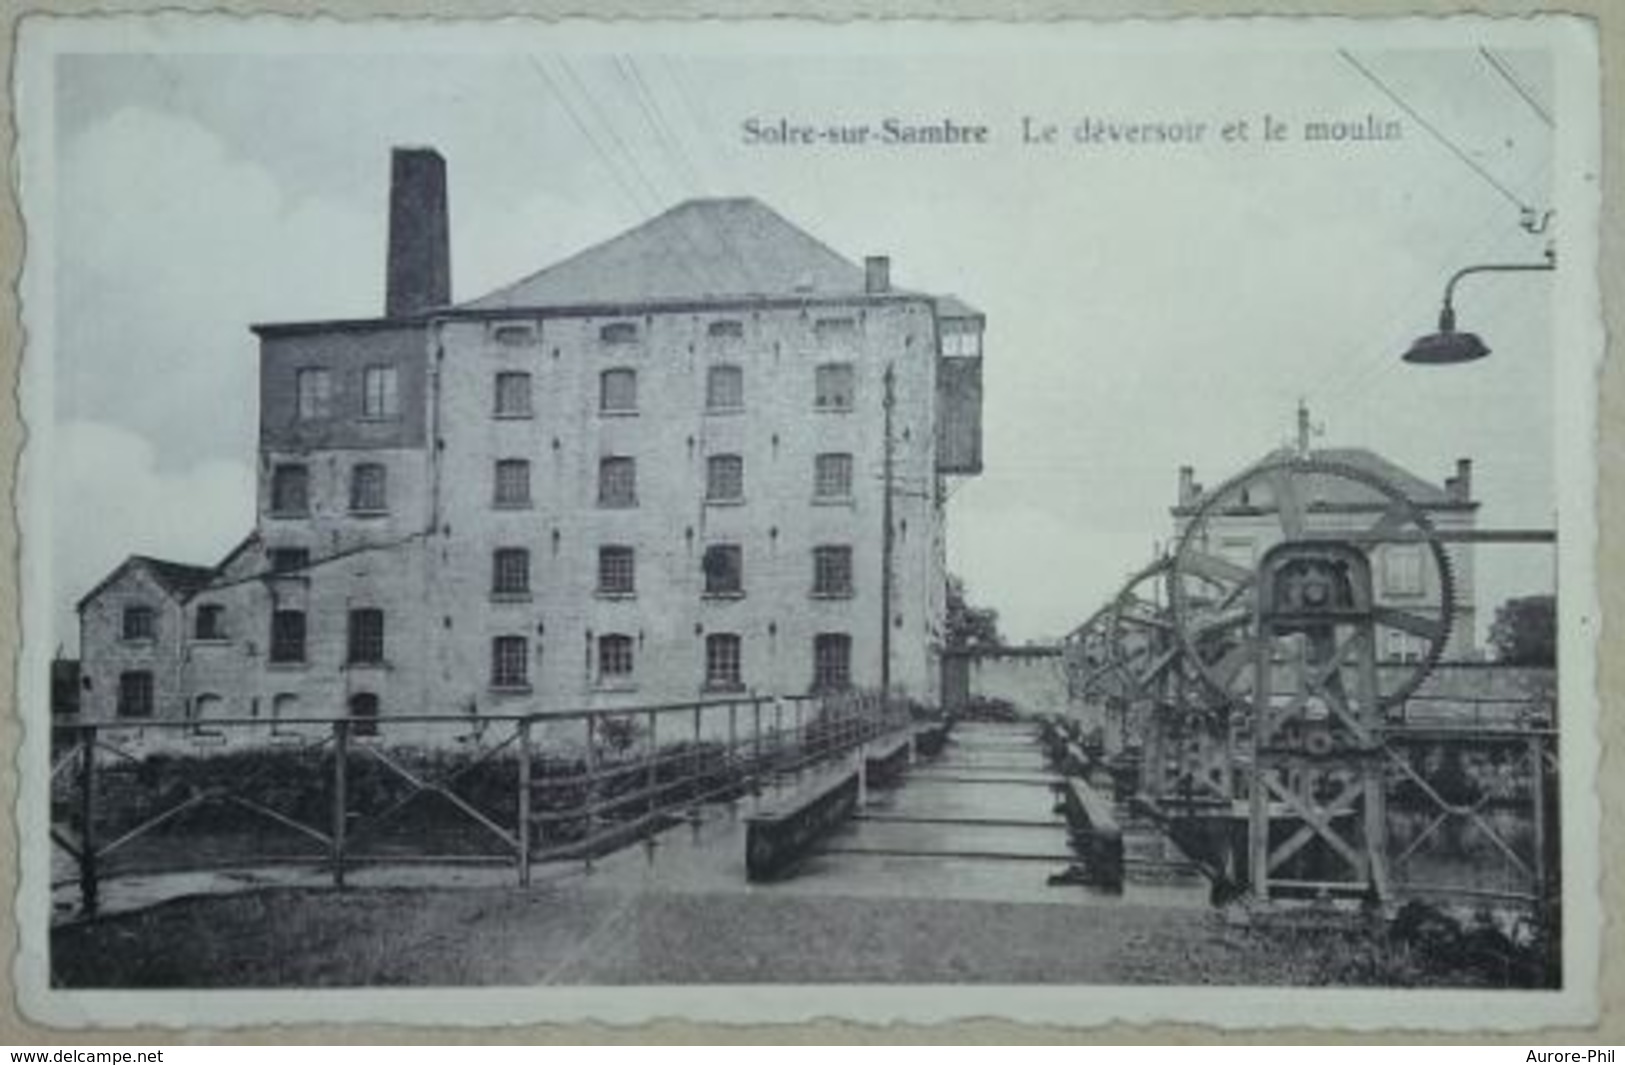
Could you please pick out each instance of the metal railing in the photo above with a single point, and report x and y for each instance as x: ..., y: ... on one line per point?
x: 162, y: 796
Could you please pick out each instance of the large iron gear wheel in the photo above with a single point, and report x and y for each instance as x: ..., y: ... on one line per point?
x: 1213, y: 600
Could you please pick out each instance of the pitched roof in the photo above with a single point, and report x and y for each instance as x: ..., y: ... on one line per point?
x: 700, y: 250
x: 176, y: 578
x: 1341, y: 491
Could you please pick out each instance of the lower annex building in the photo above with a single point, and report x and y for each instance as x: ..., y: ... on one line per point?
x: 655, y: 471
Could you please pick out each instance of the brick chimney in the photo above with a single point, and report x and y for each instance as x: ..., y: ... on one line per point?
x: 419, y: 275
x: 876, y: 274
x: 1460, y: 486
x: 1188, y: 488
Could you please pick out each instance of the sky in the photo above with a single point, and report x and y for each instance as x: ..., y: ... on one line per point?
x: 1148, y: 305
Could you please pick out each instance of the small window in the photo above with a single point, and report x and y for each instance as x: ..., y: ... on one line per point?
x: 288, y: 636
x: 835, y: 386
x: 140, y: 623
x: 614, y: 657
x: 210, y: 622
x: 724, y: 570
x: 726, y: 329
x: 961, y: 339
x: 832, y: 661
x: 510, y: 571
x: 835, y: 331
x: 366, y: 645
x: 369, y: 488
x: 832, y: 476
x: 510, y: 662
x: 617, y: 482
x: 514, y: 334
x: 724, y: 478
x: 206, y: 708
x: 512, y: 483
x: 284, y: 707
x: 363, y: 714
x: 380, y: 392
x: 724, y: 388
x: 617, y: 571
x: 290, y: 490
x: 832, y: 571
x: 619, y: 333
x: 315, y: 389
x: 618, y: 391
x: 290, y: 559
x: 1402, y: 569
x: 513, y: 395
x: 722, y: 655
x: 135, y: 697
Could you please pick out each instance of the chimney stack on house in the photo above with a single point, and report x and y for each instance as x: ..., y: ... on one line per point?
x: 419, y: 277
x: 1188, y: 488
x: 1460, y: 486
x: 877, y: 274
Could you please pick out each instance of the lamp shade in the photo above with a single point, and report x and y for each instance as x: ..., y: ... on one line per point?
x: 1446, y: 348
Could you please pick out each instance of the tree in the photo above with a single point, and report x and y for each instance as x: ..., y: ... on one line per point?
x: 1524, y: 632
x: 970, y: 628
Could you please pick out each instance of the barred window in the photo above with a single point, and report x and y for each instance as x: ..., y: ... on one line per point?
x: 513, y: 394
x: 140, y: 623
x: 724, y: 570
x: 835, y: 386
x: 832, y: 476
x: 366, y: 637
x: 832, y: 571
x: 512, y: 483
x: 208, y: 625
x: 617, y: 571
x: 832, y: 661
x: 288, y: 636
x: 135, y: 693
x: 618, y: 390
x: 724, y: 388
x: 614, y: 657
x: 368, y: 488
x: 510, y: 662
x: 722, y: 656
x: 290, y: 489
x: 510, y: 571
x: 725, y: 478
x: 315, y: 393
x: 617, y: 482
x: 380, y: 392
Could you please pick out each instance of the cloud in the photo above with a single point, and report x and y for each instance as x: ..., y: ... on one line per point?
x: 110, y: 500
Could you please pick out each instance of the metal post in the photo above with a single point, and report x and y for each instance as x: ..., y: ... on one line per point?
x: 696, y: 764
x: 1537, y: 780
x: 733, y: 747
x: 756, y: 746
x: 778, y: 735
x: 591, y: 793
x: 801, y: 739
x: 89, y: 888
x: 524, y: 803
x: 887, y: 547
x: 341, y: 758
x: 652, y: 781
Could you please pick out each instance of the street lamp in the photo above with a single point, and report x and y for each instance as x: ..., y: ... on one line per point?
x: 1447, y: 346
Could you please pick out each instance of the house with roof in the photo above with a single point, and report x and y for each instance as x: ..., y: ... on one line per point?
x: 1241, y: 532
x: 655, y: 471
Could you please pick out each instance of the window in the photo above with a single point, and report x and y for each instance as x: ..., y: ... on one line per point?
x: 832, y: 661
x: 315, y: 390
x: 283, y: 707
x: 510, y: 661
x: 724, y: 570
x: 726, y: 329
x: 618, y: 391
x: 617, y: 482
x: 617, y: 571
x: 832, y: 476
x: 1402, y: 569
x: 513, y: 395
x: 368, y: 491
x: 206, y: 708
x: 290, y: 490
x: 135, y: 693
x: 208, y: 625
x: 834, y: 386
x: 722, y: 661
x: 619, y: 333
x: 364, y: 714
x: 725, y: 478
x: 380, y: 392
x: 512, y: 483
x: 366, y: 637
x: 961, y: 339
x: 510, y: 571
x: 140, y: 623
x: 724, y: 388
x: 514, y: 334
x: 832, y: 571
x: 835, y: 331
x: 614, y: 657
x: 288, y: 636
x: 289, y: 559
